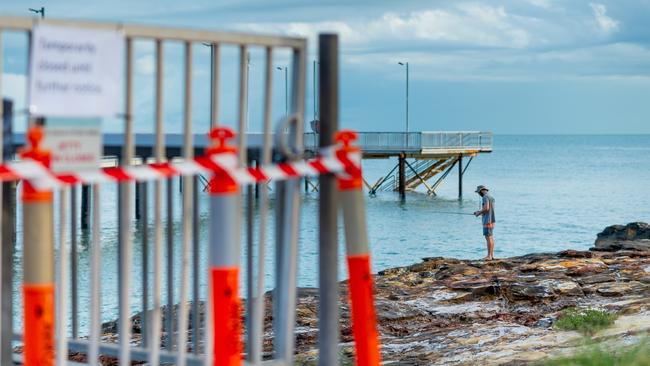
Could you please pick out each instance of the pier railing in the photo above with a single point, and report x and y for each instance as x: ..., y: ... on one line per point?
x: 426, y: 141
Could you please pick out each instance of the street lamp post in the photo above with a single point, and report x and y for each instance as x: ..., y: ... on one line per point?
x: 286, y: 89
x: 407, y: 96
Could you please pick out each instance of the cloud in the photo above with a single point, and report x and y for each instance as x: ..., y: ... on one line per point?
x: 469, y: 24
x: 545, y: 4
x: 606, y: 24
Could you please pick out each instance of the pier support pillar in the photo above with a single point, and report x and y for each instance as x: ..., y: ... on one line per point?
x: 85, y: 207
x: 460, y: 177
x: 402, y: 176
x: 137, y: 201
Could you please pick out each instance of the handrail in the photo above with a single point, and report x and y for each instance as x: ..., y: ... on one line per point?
x: 418, y: 141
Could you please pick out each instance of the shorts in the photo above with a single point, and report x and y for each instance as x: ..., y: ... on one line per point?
x: 487, y: 231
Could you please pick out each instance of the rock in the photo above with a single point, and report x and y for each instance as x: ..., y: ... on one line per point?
x: 451, y: 270
x: 563, y: 287
x: 478, y: 287
x: 575, y: 254
x: 446, y: 311
x: 619, y: 288
x: 527, y: 291
x: 633, y: 236
x: 597, y: 278
x: 544, y: 322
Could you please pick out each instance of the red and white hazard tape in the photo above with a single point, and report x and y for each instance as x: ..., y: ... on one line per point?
x: 44, y: 179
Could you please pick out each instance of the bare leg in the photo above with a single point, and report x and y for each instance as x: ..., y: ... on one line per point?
x: 488, y: 256
x: 490, y: 240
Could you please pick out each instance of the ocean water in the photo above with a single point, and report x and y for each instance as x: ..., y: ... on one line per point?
x: 552, y: 193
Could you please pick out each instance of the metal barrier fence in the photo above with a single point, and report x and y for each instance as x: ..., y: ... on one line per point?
x: 287, y: 209
x: 415, y: 141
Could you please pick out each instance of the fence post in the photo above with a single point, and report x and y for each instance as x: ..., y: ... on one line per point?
x: 225, y: 232
x: 364, y: 323
x: 38, y: 248
x: 328, y: 312
x: 8, y: 241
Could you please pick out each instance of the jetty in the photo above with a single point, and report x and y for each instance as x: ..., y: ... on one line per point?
x: 432, y: 154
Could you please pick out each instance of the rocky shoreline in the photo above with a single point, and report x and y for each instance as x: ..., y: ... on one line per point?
x: 446, y: 311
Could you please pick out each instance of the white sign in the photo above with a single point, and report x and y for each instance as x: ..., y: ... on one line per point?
x: 76, y: 72
x: 74, y: 147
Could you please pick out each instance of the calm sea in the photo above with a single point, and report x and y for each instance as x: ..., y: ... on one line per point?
x: 551, y: 192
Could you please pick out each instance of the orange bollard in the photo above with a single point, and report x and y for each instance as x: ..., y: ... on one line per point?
x: 224, y: 255
x: 38, y: 261
x: 364, y: 323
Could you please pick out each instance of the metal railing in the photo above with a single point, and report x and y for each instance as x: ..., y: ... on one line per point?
x: 151, y: 348
x: 416, y: 141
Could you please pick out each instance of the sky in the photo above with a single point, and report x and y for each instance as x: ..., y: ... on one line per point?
x: 507, y: 66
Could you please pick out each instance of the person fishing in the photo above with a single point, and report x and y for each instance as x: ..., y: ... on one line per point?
x: 487, y: 213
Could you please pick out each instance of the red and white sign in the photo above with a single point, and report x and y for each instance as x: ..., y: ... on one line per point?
x: 74, y: 148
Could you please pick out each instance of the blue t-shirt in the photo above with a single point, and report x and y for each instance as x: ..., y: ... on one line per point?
x: 488, y: 217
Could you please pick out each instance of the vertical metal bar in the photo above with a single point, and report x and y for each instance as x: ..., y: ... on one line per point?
x: 62, y: 310
x: 288, y: 239
x: 125, y: 222
x: 214, y: 86
x: 95, y: 275
x: 159, y: 150
x: 144, y: 228
x: 169, y: 317
x: 328, y: 310
x: 243, y: 92
x: 314, y: 89
x: 257, y: 322
x: 74, y: 276
x: 196, y: 332
x: 243, y: 117
x: 188, y: 154
x: 243, y: 128
x: 7, y: 234
x: 7, y: 249
x: 5, y: 296
x: 250, y: 289
x: 208, y: 334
